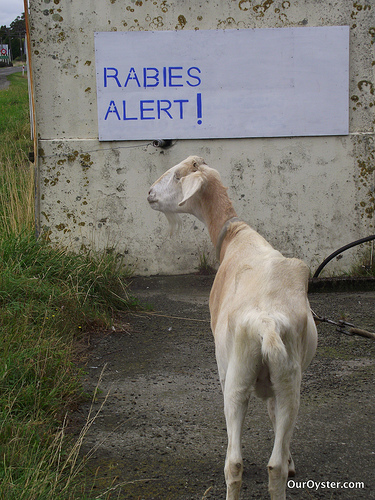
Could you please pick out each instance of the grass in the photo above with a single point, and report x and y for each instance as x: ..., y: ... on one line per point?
x: 205, y: 267
x: 49, y: 299
x: 365, y: 265
x: 16, y: 174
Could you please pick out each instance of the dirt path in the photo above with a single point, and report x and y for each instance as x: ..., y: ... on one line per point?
x: 162, y: 431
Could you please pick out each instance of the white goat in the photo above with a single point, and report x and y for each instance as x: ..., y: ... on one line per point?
x: 264, y: 331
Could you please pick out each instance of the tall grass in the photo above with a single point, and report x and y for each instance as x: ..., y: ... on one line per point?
x: 16, y: 173
x: 49, y: 298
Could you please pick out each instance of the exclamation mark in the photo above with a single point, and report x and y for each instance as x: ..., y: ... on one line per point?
x: 199, y: 108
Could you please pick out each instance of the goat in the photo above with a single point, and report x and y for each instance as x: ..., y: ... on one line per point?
x: 264, y: 332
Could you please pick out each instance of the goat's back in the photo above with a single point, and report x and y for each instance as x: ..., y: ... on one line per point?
x: 256, y: 285
x: 252, y: 272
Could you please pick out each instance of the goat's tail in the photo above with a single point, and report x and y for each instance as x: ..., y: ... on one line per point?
x: 273, y: 348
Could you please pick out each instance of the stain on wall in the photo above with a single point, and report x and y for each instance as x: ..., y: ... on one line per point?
x: 296, y: 191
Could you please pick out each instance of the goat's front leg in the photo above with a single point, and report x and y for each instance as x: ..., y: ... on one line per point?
x: 235, y: 406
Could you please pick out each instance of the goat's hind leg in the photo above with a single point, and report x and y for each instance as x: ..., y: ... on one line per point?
x: 235, y: 407
x: 286, y: 405
x: 271, y: 403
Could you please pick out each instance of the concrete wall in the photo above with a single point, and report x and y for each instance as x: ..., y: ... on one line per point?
x: 308, y: 196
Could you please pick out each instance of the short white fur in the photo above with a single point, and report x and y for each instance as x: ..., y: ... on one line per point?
x: 265, y: 335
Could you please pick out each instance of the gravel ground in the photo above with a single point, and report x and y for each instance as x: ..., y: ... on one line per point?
x: 161, y: 432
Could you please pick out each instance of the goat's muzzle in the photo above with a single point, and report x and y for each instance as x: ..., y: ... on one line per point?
x: 151, y: 197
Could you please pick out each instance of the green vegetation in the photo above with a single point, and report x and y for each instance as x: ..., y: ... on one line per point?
x: 366, y: 264
x: 14, y: 36
x: 16, y: 174
x: 205, y: 267
x: 49, y: 299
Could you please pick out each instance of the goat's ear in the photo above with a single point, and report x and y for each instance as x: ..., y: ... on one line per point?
x: 190, y: 184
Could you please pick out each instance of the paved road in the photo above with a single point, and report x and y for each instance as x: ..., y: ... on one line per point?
x: 161, y: 432
x: 4, y: 72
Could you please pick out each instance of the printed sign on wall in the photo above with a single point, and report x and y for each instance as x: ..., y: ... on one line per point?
x: 275, y: 82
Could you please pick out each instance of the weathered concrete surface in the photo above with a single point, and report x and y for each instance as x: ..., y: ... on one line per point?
x: 161, y: 433
x: 308, y: 196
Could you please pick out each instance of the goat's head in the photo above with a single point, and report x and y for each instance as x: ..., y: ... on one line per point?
x: 177, y: 189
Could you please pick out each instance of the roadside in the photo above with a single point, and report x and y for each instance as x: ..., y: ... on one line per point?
x: 4, y: 72
x: 161, y: 432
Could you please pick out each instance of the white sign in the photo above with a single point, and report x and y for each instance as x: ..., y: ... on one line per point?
x: 3, y: 51
x: 222, y: 84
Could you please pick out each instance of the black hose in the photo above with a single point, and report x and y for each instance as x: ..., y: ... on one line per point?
x: 340, y: 250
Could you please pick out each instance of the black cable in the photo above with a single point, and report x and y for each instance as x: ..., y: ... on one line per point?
x: 340, y: 250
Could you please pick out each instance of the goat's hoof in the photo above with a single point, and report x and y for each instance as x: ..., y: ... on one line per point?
x: 291, y: 467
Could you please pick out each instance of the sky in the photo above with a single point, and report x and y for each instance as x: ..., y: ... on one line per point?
x: 9, y: 10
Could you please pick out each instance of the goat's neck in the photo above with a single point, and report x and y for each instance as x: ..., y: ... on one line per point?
x: 216, y: 209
